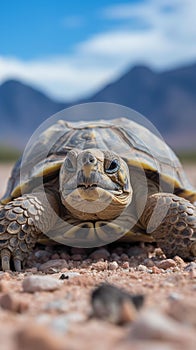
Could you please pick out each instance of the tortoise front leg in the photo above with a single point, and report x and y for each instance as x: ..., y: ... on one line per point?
x: 176, y: 233
x: 21, y: 222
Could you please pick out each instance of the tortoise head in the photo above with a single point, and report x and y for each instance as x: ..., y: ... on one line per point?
x: 94, y: 184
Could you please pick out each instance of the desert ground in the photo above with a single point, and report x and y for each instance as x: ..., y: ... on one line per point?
x: 49, y: 305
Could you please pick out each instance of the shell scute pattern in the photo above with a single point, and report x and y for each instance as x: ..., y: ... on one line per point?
x: 137, y: 145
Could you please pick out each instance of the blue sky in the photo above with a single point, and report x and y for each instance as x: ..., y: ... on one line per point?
x: 69, y: 49
x: 36, y: 28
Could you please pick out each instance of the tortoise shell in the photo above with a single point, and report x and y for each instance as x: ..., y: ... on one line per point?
x: 137, y: 145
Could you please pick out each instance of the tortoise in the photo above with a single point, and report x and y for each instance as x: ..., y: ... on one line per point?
x: 88, y: 184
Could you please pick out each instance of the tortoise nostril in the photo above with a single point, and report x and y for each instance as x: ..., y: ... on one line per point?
x: 89, y: 158
x: 92, y: 158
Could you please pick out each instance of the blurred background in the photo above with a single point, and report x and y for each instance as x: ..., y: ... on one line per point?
x: 138, y: 53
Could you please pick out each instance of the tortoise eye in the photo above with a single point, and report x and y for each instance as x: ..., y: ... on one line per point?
x: 113, y: 167
x: 69, y: 165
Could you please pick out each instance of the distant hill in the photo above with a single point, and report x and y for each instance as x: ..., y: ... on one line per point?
x: 168, y: 99
x: 22, y: 109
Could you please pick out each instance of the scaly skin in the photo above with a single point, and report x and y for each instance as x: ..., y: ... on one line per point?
x: 19, y: 232
x: 21, y: 222
x: 176, y: 234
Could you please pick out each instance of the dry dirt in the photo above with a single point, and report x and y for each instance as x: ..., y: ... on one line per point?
x: 56, y: 313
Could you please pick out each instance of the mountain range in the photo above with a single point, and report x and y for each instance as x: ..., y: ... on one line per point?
x: 167, y: 99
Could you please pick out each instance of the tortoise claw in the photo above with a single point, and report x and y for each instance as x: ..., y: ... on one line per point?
x: 5, y: 259
x: 17, y: 265
x: 193, y: 248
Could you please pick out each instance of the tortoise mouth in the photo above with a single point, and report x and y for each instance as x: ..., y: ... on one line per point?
x: 94, y: 203
x: 95, y: 180
x: 90, y: 188
x: 87, y: 186
x: 111, y: 188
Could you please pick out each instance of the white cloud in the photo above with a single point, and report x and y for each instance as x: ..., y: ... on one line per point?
x: 60, y: 77
x: 168, y: 40
x: 149, y: 9
x: 127, y: 11
x: 176, y: 17
x: 122, y: 44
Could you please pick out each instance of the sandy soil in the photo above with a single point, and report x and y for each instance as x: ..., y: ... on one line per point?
x: 57, y: 313
x: 5, y: 171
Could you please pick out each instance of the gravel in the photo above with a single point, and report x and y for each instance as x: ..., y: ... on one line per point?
x: 113, y: 265
x: 166, y: 264
x: 53, y: 266
x: 152, y: 325
x: 33, y: 284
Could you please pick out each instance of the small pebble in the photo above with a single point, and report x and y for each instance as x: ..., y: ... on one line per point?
x: 52, y: 266
x: 152, y: 325
x: 190, y: 266
x: 124, y: 257
x: 155, y: 270
x: 13, y: 302
x: 149, y: 262
x: 100, y: 254
x: 165, y: 264
x: 125, y: 265
x: 86, y: 263
x: 100, y: 266
x: 179, y: 261
x: 159, y: 252
x: 33, y: 284
x: 175, y: 296
x: 32, y: 270
x: 142, y: 268
x: 68, y: 275
x: 76, y: 257
x: 183, y: 311
x: 38, y: 337
x: 113, y: 265
x: 176, y: 269
x: 65, y: 256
